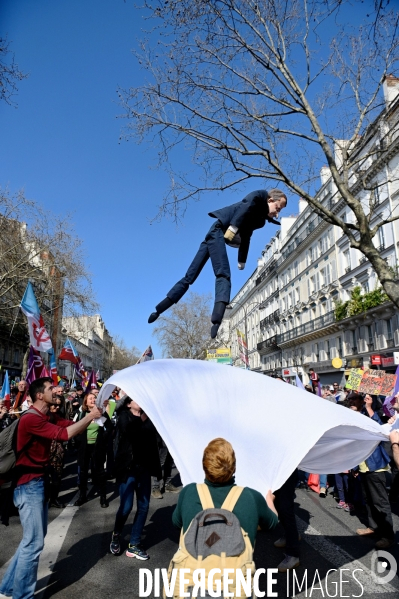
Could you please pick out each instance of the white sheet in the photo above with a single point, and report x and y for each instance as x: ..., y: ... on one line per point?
x: 273, y: 427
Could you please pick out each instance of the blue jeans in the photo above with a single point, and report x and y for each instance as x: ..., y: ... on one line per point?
x: 138, y: 480
x: 19, y: 581
x: 323, y: 480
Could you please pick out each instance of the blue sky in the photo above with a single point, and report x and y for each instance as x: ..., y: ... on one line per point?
x: 62, y: 146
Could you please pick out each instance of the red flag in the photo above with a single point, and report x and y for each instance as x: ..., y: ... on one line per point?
x: 69, y: 353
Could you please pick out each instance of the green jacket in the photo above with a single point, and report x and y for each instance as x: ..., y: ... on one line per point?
x: 251, y: 508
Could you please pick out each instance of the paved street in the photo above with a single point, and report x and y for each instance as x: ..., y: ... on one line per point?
x: 76, y: 561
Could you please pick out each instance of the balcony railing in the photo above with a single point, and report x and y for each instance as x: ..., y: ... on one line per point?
x: 348, y: 269
x: 390, y: 343
x: 268, y: 343
x: 371, y: 346
x: 362, y: 260
x: 308, y: 327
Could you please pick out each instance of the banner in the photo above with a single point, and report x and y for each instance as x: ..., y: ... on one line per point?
x: 220, y: 356
x: 243, y: 347
x: 373, y: 382
x: 354, y: 379
x: 39, y: 337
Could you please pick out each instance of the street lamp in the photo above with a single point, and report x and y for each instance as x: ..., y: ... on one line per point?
x: 245, y: 307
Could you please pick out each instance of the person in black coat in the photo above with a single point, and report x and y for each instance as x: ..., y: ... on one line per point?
x: 136, y: 460
x: 92, y: 448
x: 234, y: 226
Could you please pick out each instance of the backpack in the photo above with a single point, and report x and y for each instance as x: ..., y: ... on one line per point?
x: 214, y: 539
x: 8, y: 447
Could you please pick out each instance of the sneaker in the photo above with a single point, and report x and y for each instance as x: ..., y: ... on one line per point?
x: 156, y: 493
x: 137, y: 551
x: 289, y: 563
x: 384, y: 543
x: 115, y: 546
x: 323, y: 492
x: 342, y: 506
x: 349, y: 507
x: 169, y: 488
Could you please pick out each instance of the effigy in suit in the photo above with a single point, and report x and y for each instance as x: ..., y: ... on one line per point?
x: 234, y: 226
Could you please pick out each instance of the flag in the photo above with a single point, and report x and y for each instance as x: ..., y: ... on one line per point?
x: 319, y: 393
x: 39, y: 337
x: 147, y: 355
x: 69, y: 352
x: 44, y: 372
x: 243, y: 347
x: 80, y: 370
x: 53, y: 367
x: 5, y: 392
x: 35, y: 366
x: 390, y: 400
x: 92, y: 381
x: 299, y: 383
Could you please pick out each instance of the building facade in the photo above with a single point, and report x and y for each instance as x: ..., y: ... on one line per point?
x: 289, y: 304
x: 92, y: 341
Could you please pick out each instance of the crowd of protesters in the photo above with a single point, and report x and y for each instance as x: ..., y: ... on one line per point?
x: 126, y: 448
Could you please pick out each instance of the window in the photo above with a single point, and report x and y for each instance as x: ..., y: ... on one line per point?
x: 297, y: 295
x: 381, y: 237
x: 327, y: 347
x: 16, y: 356
x: 309, y: 257
x: 370, y: 337
x: 296, y: 269
x: 365, y: 286
x: 347, y: 260
x: 389, y: 329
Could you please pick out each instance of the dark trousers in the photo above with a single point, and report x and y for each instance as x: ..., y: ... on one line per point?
x: 286, y: 512
x: 166, y: 465
x: 213, y: 247
x: 394, y: 492
x: 137, y: 480
x: 377, y: 503
x: 97, y: 472
x: 344, y: 486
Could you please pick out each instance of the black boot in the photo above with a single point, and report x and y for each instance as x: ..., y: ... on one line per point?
x: 80, y: 500
x: 104, y: 501
x: 161, y: 307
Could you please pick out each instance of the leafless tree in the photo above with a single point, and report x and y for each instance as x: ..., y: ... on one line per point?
x: 42, y: 248
x: 184, y: 331
x: 273, y: 89
x: 10, y: 74
x: 123, y: 356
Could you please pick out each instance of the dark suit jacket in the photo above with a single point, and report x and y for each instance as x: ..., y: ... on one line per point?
x: 249, y: 214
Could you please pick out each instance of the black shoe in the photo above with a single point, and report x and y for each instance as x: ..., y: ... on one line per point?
x: 153, y: 317
x: 104, y: 501
x: 57, y: 504
x: 80, y: 500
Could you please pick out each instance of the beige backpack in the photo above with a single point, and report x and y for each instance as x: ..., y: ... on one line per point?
x: 214, y: 539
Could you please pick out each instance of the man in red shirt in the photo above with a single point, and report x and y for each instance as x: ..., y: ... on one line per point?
x: 34, y: 437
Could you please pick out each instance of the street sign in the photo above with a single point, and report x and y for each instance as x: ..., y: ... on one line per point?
x: 220, y: 356
x: 376, y: 360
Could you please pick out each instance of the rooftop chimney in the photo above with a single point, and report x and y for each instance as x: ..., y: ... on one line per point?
x: 325, y: 174
x: 390, y: 87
